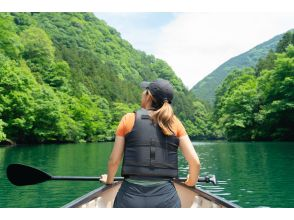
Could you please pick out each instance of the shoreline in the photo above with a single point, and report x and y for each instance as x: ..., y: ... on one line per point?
x: 107, y: 141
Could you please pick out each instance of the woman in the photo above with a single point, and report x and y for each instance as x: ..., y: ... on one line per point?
x: 148, y: 142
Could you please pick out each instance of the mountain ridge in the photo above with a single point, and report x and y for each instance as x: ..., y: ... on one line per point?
x: 205, y: 89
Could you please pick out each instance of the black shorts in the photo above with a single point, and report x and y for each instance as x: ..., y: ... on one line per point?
x: 132, y: 195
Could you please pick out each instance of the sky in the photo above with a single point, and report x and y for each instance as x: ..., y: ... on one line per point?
x: 194, y: 44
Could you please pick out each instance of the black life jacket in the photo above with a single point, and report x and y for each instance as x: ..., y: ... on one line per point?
x: 148, y: 152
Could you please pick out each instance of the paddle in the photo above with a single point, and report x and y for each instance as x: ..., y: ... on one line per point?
x: 22, y: 175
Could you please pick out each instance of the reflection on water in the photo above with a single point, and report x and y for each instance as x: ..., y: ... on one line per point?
x: 249, y: 174
x: 67, y: 159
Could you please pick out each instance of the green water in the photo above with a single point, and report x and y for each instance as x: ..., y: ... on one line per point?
x: 249, y: 174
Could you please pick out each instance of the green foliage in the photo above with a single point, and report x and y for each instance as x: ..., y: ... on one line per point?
x: 47, y: 115
x: 259, y: 104
x: 265, y: 63
x: 16, y: 98
x: 199, y: 125
x: 66, y: 77
x: 206, y: 88
x: 38, y: 49
x: 59, y: 75
x: 288, y: 38
x: 9, y: 41
x: 23, y: 21
x: 236, y: 105
x: 2, y: 134
x: 276, y: 118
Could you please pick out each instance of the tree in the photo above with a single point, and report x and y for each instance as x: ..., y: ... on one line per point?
x: 2, y: 134
x: 119, y: 109
x: 47, y: 113
x: 16, y: 98
x: 288, y: 38
x: 38, y: 49
x: 259, y: 106
x: 236, y: 105
x: 265, y: 63
x: 58, y: 75
x: 10, y: 44
x: 276, y: 115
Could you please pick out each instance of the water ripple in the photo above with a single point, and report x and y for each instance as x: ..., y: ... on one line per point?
x: 248, y: 174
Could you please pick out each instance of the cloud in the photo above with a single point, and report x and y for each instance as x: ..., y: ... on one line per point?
x: 140, y: 29
x: 194, y: 44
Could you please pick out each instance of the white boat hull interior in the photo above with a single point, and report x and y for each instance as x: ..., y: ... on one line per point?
x: 190, y: 198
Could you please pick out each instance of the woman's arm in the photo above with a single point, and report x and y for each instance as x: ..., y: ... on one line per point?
x: 114, y: 160
x: 192, y: 158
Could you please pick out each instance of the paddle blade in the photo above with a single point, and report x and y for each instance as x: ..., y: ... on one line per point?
x: 213, y: 180
x: 22, y: 175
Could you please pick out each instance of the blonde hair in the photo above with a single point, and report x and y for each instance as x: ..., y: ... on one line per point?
x: 164, y: 116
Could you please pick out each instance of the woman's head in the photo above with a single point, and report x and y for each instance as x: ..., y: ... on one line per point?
x: 158, y: 95
x: 161, y: 91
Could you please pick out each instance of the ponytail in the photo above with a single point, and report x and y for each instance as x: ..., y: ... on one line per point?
x: 164, y: 117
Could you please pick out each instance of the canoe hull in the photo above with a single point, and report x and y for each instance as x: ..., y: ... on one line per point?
x: 104, y: 196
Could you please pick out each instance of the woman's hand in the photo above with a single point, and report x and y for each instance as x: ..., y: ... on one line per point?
x: 103, y: 179
x: 189, y: 182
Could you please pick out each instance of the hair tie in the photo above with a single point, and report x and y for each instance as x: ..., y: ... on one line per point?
x: 165, y: 100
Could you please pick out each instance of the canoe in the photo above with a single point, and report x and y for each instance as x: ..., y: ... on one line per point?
x: 103, y: 197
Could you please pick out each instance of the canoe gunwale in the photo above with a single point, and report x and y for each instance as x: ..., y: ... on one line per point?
x: 202, y: 193
x: 211, y: 197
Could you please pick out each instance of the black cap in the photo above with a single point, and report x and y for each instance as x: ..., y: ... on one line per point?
x: 160, y: 89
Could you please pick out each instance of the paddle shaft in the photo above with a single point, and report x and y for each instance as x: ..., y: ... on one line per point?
x: 89, y: 178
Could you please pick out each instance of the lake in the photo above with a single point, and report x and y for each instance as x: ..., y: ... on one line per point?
x: 250, y: 174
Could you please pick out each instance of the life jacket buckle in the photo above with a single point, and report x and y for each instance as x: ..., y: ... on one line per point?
x: 145, y: 117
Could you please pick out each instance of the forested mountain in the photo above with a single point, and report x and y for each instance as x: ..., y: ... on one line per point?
x: 205, y: 89
x: 258, y: 103
x: 69, y: 77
